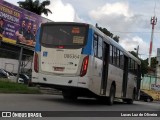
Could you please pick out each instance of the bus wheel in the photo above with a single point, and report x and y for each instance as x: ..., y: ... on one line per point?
x: 110, y: 100
x: 68, y: 95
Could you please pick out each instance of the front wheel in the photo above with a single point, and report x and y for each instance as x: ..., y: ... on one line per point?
x: 111, y: 97
x: 148, y: 100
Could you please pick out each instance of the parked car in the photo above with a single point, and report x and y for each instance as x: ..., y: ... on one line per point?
x: 24, y: 78
x: 145, y: 97
x: 11, y: 77
x: 3, y: 74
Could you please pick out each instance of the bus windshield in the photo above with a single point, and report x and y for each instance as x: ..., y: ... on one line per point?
x: 72, y: 36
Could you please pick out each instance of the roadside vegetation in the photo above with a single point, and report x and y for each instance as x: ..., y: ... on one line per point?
x: 10, y: 87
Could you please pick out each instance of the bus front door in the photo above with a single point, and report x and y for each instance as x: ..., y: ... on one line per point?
x: 105, y: 68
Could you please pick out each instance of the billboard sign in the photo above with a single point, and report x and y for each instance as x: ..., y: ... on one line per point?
x: 17, y: 25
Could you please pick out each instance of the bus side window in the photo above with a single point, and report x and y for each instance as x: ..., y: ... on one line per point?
x: 118, y: 58
x: 100, y: 41
x: 136, y: 68
x: 95, y: 45
x: 129, y: 64
x: 114, y: 55
x: 132, y: 66
x: 111, y: 54
x: 121, y: 60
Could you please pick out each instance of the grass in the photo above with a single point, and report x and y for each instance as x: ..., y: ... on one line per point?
x: 10, y: 87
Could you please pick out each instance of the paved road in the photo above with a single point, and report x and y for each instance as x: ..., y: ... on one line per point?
x: 30, y: 102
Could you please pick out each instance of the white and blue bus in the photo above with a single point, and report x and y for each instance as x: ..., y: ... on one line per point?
x: 80, y: 60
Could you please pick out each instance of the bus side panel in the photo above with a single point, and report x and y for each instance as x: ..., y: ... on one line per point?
x: 115, y: 74
x: 96, y: 72
x: 131, y: 85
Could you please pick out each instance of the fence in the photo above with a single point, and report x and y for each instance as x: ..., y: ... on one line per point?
x: 151, y: 85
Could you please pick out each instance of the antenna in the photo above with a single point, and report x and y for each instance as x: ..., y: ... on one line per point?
x: 153, y: 22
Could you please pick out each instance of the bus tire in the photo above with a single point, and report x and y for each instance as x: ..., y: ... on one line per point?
x: 68, y: 95
x: 111, y: 97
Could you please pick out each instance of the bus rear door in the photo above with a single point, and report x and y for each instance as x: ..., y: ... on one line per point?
x: 105, y: 68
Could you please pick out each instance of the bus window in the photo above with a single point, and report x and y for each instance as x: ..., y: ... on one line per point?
x: 95, y: 45
x: 121, y: 60
x: 100, y: 47
x: 111, y: 54
x: 136, y: 68
x: 114, y: 56
x: 129, y: 64
x: 132, y: 66
x: 118, y: 58
x: 69, y: 36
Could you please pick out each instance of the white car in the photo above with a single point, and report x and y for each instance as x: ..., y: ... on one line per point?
x: 3, y: 74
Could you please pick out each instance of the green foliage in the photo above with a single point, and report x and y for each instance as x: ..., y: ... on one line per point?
x: 134, y: 53
x: 116, y: 38
x: 108, y: 33
x: 144, y: 66
x: 153, y: 62
x: 10, y: 87
x: 35, y: 6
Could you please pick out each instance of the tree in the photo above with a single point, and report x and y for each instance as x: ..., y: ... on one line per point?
x: 116, y: 38
x: 134, y: 54
x: 153, y: 62
x: 108, y: 33
x: 144, y: 67
x: 35, y: 6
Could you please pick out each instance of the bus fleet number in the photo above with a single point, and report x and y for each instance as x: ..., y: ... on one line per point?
x: 72, y: 56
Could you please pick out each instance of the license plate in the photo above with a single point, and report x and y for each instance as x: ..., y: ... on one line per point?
x: 58, y: 68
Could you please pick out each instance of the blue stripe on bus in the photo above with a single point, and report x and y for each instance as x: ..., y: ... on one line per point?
x: 38, y: 47
x: 88, y: 49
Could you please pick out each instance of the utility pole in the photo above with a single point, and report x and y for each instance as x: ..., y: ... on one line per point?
x: 19, y: 65
x: 153, y: 23
x: 137, y: 50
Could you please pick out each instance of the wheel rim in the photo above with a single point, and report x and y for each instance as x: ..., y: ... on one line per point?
x: 148, y: 100
x: 112, y: 98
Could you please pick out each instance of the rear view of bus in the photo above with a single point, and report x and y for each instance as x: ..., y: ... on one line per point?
x: 59, y: 61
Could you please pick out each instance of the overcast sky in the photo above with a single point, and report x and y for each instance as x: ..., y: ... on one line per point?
x: 129, y: 19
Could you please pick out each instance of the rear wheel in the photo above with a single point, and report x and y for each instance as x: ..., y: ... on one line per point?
x: 69, y: 95
x: 148, y: 100
x: 111, y: 97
